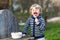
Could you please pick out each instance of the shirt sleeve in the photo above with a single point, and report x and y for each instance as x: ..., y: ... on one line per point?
x: 26, y: 26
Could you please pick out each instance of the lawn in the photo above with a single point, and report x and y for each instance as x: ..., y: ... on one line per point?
x: 52, y: 31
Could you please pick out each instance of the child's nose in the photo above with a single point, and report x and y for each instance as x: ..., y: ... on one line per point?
x: 35, y: 10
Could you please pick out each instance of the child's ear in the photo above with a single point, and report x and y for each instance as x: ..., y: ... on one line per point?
x: 40, y: 10
x: 30, y: 11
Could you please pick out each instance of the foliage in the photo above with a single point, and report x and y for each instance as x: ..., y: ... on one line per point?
x: 21, y: 16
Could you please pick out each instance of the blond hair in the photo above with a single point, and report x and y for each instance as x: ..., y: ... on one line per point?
x: 37, y: 6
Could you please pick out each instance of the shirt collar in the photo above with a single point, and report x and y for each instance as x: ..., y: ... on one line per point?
x: 37, y: 17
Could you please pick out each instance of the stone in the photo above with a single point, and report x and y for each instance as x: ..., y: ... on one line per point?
x: 8, y: 23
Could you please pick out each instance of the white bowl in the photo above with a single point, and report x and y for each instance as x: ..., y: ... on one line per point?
x: 16, y: 35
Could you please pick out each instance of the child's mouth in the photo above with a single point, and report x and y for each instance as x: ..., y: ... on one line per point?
x: 35, y: 13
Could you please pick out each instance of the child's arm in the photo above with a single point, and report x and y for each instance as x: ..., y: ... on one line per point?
x: 25, y: 27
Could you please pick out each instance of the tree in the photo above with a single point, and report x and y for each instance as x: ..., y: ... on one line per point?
x: 10, y: 2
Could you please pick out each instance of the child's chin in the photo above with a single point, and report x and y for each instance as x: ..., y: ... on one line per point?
x: 36, y: 15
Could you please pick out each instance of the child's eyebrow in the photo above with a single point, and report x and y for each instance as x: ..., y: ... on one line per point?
x: 37, y: 7
x: 30, y: 8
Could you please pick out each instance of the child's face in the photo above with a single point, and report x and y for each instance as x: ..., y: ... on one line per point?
x: 35, y: 11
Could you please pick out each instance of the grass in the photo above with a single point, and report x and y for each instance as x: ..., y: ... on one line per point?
x: 52, y: 31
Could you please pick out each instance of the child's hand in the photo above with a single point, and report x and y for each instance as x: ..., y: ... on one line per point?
x: 36, y: 21
x: 24, y: 35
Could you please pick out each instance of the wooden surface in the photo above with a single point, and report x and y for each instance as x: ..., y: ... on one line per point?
x: 26, y: 38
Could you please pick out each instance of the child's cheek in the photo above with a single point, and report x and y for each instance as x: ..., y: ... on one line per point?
x: 37, y: 11
x: 32, y: 12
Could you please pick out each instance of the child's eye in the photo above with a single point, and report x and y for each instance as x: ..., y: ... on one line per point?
x: 30, y: 9
x: 40, y: 10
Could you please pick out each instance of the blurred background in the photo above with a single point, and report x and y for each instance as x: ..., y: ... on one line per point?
x: 20, y: 8
x: 51, y: 14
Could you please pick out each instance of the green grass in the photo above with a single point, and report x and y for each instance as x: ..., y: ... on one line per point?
x: 52, y: 31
